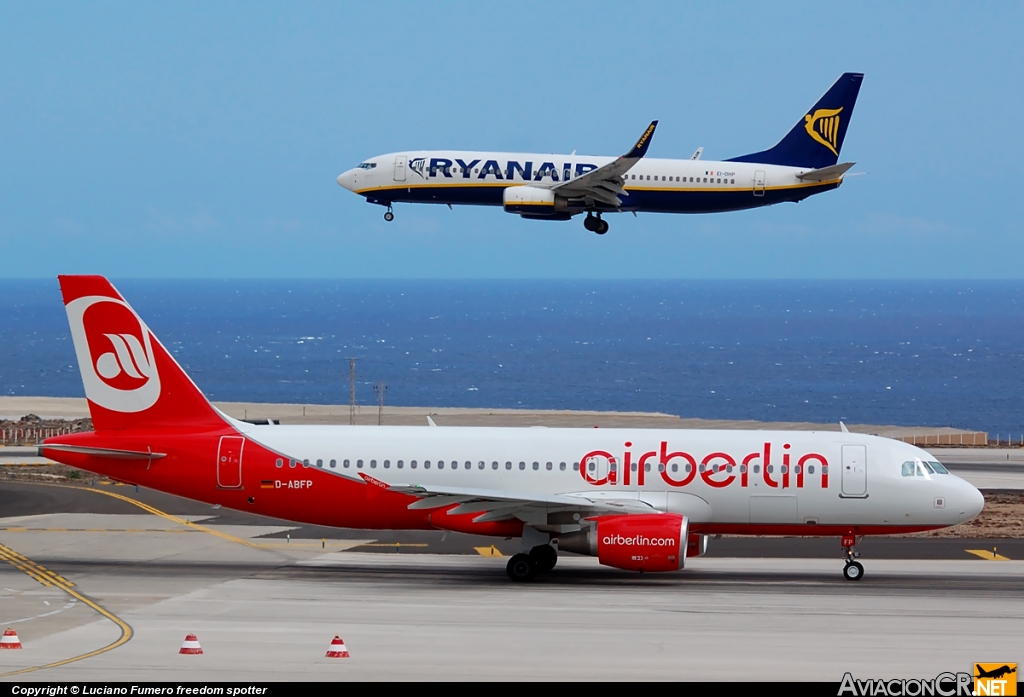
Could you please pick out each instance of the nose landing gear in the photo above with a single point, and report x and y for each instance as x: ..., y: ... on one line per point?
x: 389, y: 216
x: 854, y: 570
x: 594, y: 223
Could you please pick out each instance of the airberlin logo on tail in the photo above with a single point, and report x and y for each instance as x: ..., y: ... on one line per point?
x: 115, y: 354
x: 823, y: 126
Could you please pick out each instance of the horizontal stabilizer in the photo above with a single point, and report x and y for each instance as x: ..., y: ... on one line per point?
x: 104, y: 452
x: 826, y: 173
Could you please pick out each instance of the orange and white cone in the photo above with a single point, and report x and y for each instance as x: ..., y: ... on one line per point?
x: 337, y: 649
x: 10, y: 640
x: 191, y: 646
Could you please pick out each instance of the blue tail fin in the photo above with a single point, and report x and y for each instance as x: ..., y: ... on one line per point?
x: 817, y: 138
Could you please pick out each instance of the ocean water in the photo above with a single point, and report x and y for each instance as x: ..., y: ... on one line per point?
x: 909, y: 353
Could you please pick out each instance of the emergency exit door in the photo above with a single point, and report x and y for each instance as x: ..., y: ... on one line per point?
x: 400, y: 163
x: 759, y: 183
x: 229, y: 462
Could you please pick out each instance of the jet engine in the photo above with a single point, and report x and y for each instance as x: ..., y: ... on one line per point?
x: 533, y: 202
x: 634, y: 542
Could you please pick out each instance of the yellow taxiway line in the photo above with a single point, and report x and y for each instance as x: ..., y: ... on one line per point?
x: 49, y: 578
x: 989, y: 554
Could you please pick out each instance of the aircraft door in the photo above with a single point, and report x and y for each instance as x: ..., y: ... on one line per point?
x: 229, y: 462
x: 759, y: 183
x: 855, y: 471
x: 600, y: 468
x: 400, y: 162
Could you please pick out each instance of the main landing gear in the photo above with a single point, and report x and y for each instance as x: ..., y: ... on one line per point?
x: 525, y: 567
x: 854, y: 570
x: 594, y: 223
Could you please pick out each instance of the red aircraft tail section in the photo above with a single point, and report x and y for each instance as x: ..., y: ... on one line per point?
x: 131, y: 380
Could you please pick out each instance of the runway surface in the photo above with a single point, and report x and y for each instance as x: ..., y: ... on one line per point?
x: 88, y: 573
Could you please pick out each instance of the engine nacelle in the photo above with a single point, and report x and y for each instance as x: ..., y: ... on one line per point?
x: 633, y: 542
x: 533, y: 202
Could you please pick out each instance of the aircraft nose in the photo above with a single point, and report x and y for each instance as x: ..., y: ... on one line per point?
x: 970, y: 502
x: 347, y: 180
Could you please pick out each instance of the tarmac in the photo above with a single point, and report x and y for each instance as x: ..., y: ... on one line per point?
x: 103, y: 583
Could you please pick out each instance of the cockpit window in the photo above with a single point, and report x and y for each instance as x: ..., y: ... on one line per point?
x: 367, y: 165
x: 920, y: 468
x: 923, y: 469
x: 908, y: 468
x: 938, y: 467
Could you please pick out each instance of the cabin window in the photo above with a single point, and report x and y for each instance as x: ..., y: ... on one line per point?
x: 480, y: 465
x: 549, y: 466
x: 647, y: 467
x: 732, y: 181
x: 757, y: 469
x: 522, y: 465
x: 785, y: 469
x: 387, y: 464
x: 398, y: 464
x: 561, y: 466
x: 305, y: 463
x: 810, y: 469
x: 796, y: 469
x: 345, y: 463
x: 319, y: 463
x: 279, y: 463
x: 373, y: 464
x: 575, y: 467
x: 536, y: 466
x: 675, y: 467
x: 467, y: 465
x: 494, y: 465
x: 440, y: 464
x: 743, y: 469
x: 508, y: 465
x: 334, y: 464
x: 359, y: 464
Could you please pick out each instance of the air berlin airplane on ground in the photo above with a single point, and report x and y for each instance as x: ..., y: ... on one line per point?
x: 557, y: 187
x: 638, y: 499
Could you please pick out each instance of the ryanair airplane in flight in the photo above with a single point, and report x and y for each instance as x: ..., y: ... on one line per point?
x: 557, y: 187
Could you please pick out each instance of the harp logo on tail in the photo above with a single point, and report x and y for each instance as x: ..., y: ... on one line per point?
x: 115, y: 354
x: 823, y: 126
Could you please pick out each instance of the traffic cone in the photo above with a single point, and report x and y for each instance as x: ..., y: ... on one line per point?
x: 10, y: 640
x: 191, y: 646
x: 337, y: 649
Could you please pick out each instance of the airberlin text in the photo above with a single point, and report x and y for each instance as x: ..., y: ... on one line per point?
x: 942, y: 685
x: 719, y: 469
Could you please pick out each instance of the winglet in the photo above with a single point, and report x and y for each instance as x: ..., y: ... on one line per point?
x: 843, y: 428
x: 640, y: 149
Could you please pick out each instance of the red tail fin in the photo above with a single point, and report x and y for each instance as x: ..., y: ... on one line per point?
x: 131, y: 380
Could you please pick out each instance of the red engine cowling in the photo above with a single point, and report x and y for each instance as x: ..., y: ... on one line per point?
x: 633, y: 542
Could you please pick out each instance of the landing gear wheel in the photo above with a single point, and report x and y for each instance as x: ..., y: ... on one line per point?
x: 544, y: 557
x: 521, y: 568
x: 853, y: 571
x: 389, y: 216
x: 591, y: 223
x: 602, y: 226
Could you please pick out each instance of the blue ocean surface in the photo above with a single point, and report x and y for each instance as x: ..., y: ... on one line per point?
x: 913, y: 353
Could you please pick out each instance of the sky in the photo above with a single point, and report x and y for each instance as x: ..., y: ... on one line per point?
x: 180, y: 140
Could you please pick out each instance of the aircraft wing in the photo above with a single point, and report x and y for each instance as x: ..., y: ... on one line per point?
x: 604, y: 184
x: 497, y: 504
